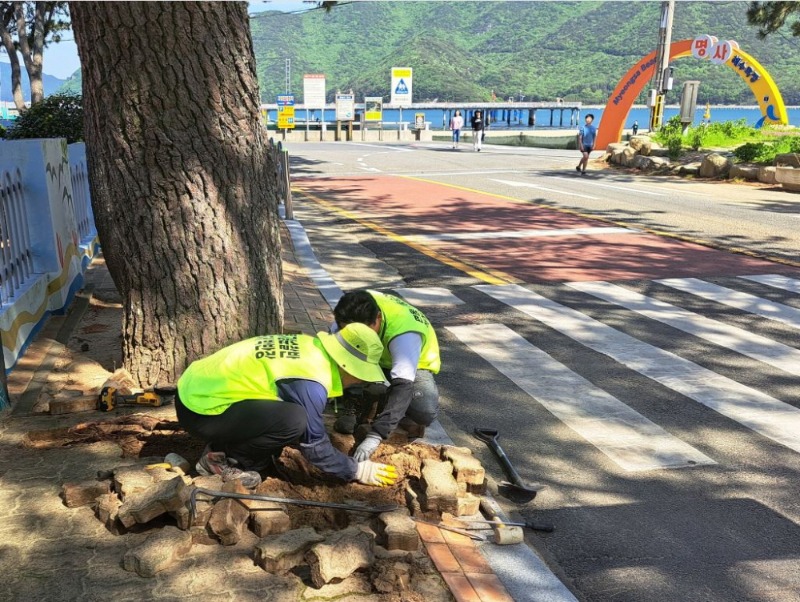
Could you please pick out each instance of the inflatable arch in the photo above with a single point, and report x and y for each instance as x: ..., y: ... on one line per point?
x: 630, y: 86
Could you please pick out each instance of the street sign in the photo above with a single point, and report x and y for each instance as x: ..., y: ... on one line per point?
x: 401, y: 86
x: 286, y: 111
x: 314, y: 91
x: 419, y: 121
x: 345, y: 107
x: 373, y: 108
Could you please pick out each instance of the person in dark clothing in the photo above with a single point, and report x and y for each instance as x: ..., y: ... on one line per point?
x: 478, y: 127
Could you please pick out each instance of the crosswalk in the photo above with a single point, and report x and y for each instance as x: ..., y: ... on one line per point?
x: 629, y: 438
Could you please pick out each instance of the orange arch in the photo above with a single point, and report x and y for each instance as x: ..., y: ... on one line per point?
x: 633, y: 82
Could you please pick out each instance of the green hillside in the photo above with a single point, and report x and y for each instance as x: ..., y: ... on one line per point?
x: 461, y: 51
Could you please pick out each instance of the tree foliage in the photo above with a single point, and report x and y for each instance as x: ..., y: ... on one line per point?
x: 772, y: 16
x: 57, y: 116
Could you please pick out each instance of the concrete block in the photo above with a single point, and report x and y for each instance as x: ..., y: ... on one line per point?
x: 268, y: 518
x: 468, y: 504
x: 281, y: 553
x: 159, y: 551
x: 439, y: 486
x: 397, y: 531
x: 106, y: 510
x: 744, y: 172
x: 158, y: 499
x: 228, y: 520
x: 82, y: 494
x: 71, y: 404
x: 788, y: 177
x: 767, y: 174
x: 468, y: 470
x: 340, y: 555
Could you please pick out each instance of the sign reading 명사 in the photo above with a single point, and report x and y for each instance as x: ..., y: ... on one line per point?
x: 345, y: 107
x: 401, y: 86
x: 286, y: 111
x: 373, y: 108
x: 314, y: 91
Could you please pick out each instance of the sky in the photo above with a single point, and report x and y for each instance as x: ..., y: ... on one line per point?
x: 61, y: 60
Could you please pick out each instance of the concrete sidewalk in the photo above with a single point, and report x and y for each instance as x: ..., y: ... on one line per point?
x: 51, y: 552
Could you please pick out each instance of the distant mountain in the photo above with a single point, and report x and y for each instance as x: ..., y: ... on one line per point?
x: 462, y: 51
x: 51, y: 83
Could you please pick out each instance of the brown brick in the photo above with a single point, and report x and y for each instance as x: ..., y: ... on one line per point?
x: 468, y: 504
x: 82, y: 494
x: 442, y: 557
x: 489, y: 587
x: 281, y: 553
x: 228, y: 520
x: 340, y: 555
x: 470, y: 558
x: 107, y: 509
x: 439, y: 486
x: 398, y: 531
x: 70, y: 405
x: 467, y: 468
x: 430, y: 533
x: 272, y: 520
x: 158, y: 499
x: 158, y: 552
x: 460, y: 587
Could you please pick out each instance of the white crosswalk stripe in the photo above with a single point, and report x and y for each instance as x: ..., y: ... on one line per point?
x: 745, y: 301
x: 629, y: 439
x: 736, y: 339
x: 431, y: 296
x: 776, y: 281
x: 749, y: 407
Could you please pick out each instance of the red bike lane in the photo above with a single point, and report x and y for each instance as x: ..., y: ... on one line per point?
x: 523, y: 240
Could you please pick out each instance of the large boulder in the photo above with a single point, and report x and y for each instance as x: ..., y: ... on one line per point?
x: 627, y: 157
x: 787, y: 160
x: 767, y: 173
x: 641, y: 144
x: 690, y: 169
x: 715, y: 166
x: 744, y: 172
x: 616, y: 147
x: 659, y: 152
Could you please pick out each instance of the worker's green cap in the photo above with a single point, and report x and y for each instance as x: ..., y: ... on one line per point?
x: 357, y: 349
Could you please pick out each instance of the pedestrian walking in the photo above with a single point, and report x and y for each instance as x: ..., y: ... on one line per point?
x: 478, y: 126
x: 587, y: 134
x: 635, y: 127
x: 456, y: 124
x: 251, y: 399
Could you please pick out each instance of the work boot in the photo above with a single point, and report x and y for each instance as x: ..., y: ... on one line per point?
x: 414, y: 430
x: 217, y: 463
x: 346, y: 423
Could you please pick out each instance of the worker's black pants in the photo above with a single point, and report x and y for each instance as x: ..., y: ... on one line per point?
x: 252, y: 431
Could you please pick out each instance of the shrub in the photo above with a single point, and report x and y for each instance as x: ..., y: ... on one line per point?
x: 57, y: 116
x: 674, y: 145
x: 2, y: 132
x: 751, y: 152
x: 696, y: 137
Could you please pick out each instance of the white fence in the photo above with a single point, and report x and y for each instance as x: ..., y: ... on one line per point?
x: 16, y: 260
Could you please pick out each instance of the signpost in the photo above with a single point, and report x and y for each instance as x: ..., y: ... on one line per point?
x: 345, y: 111
x: 419, y: 121
x: 314, y: 95
x: 286, y: 111
x: 402, y: 78
x: 373, y: 108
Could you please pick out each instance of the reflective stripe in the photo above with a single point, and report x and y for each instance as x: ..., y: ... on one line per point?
x: 349, y: 348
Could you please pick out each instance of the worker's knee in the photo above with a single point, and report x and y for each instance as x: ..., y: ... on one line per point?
x: 424, y: 407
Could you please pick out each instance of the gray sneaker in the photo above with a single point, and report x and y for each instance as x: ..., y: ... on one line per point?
x: 216, y: 463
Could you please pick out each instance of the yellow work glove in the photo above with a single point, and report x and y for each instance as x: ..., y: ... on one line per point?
x: 378, y: 475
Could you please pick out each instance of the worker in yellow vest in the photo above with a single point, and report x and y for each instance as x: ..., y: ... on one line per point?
x: 410, y: 359
x: 251, y: 399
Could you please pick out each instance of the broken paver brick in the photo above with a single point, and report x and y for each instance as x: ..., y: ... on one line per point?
x: 468, y: 504
x: 281, y: 553
x: 72, y: 404
x: 129, y: 480
x: 439, y: 486
x: 159, y: 551
x: 467, y: 468
x: 212, y: 483
x: 341, y: 555
x: 268, y: 518
x: 158, y: 499
x: 398, y: 531
x: 228, y: 520
x: 82, y: 494
x: 107, y: 509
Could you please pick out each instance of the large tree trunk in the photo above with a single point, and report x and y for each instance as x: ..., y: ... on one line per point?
x: 183, y: 188
x: 13, y: 59
x: 32, y: 49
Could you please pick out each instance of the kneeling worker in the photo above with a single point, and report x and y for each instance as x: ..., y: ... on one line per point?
x: 252, y: 398
x: 410, y: 359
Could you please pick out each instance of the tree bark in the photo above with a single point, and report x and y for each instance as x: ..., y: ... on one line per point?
x: 183, y: 187
x: 13, y: 58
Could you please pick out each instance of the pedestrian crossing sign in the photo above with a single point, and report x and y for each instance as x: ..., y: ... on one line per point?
x: 401, y: 86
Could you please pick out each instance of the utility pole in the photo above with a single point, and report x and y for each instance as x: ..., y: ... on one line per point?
x: 662, y: 82
x: 288, y: 76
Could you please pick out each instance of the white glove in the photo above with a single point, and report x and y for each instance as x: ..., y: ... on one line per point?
x: 373, y: 473
x: 367, y: 447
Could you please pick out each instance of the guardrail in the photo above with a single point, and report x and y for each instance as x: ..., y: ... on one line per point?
x: 16, y: 259
x: 281, y: 159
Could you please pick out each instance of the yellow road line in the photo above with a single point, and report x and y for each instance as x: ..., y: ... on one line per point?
x: 484, y: 274
x: 681, y: 237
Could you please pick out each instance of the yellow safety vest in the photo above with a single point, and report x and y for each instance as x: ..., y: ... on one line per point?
x: 252, y: 368
x: 400, y: 317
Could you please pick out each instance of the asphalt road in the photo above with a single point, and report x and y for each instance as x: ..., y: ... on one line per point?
x: 650, y: 383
